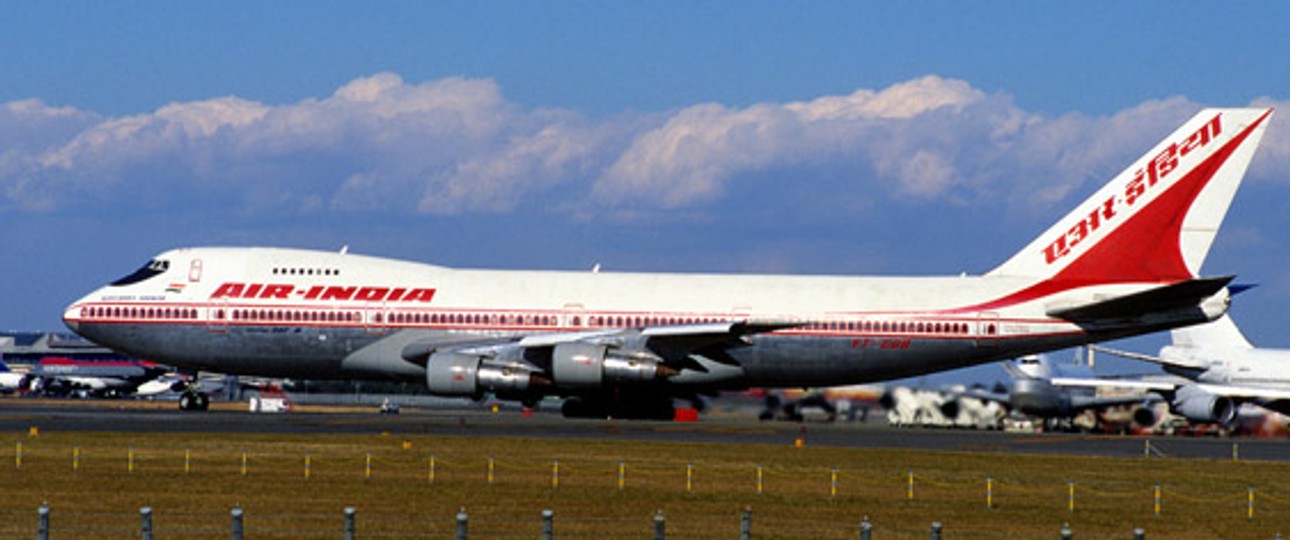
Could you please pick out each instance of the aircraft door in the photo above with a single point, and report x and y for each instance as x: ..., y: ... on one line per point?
x: 574, y: 316
x: 987, y: 329
x: 217, y: 316
x: 195, y: 271
x: 375, y: 319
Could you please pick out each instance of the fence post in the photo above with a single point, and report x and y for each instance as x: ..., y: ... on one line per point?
x: 236, y: 515
x: 1065, y: 533
x: 555, y: 475
x: 145, y: 522
x: 42, y: 522
x: 622, y: 475
x: 745, y: 524
x: 1070, y: 504
x: 351, y: 530
x: 866, y: 529
x: 548, y: 524
x: 245, y: 460
x: 1157, y: 505
x: 76, y: 458
x: 936, y: 530
x: 910, y: 493
x: 462, y: 520
x: 17, y: 456
x: 490, y: 470
x: 689, y: 477
x: 1249, y: 502
x: 833, y: 484
x: 130, y: 460
x: 759, y: 479
x: 989, y: 492
x: 660, y: 526
x: 188, y: 459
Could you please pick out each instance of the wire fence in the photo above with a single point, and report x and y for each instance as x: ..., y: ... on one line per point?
x: 572, y: 486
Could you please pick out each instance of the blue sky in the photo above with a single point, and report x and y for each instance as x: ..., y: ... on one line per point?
x: 641, y: 136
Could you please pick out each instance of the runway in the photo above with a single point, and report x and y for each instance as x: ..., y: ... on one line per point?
x: 18, y: 416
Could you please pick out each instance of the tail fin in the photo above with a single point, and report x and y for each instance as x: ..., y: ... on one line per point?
x: 1221, y: 333
x: 1155, y: 221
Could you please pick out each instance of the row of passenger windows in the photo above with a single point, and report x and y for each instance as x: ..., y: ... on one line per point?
x: 290, y: 315
x: 475, y: 318
x: 899, y: 327
x: 119, y: 312
x: 306, y: 271
x: 327, y: 316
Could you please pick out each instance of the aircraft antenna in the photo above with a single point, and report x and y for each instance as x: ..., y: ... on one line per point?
x: 344, y: 249
x: 595, y: 269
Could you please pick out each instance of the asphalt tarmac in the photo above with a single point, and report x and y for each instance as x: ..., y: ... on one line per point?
x: 17, y: 416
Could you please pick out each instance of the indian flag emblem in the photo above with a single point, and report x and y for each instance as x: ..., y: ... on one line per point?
x: 175, y: 288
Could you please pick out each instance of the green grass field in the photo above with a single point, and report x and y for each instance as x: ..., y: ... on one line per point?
x: 100, y: 497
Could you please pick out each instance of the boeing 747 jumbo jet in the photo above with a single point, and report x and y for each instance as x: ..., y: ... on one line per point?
x: 625, y: 344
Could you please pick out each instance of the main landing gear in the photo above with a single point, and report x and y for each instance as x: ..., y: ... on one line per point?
x: 194, y: 399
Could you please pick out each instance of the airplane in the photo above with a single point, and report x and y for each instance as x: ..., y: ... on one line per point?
x: 1033, y: 392
x: 624, y: 345
x: 1215, y: 370
x: 64, y: 376
x: 10, y: 381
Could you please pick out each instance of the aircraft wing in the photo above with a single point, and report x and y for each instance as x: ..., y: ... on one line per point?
x: 667, y: 342
x: 1132, y: 384
x: 1180, y: 362
x: 1248, y: 392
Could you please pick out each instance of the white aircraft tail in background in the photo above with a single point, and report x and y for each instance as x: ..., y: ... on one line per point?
x: 1217, y: 370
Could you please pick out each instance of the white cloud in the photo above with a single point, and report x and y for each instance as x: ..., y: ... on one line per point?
x: 458, y: 146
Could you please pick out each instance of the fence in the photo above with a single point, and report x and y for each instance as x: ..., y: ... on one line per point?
x: 349, y: 529
x: 839, y: 492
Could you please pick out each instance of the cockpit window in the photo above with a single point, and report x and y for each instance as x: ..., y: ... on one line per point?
x: 154, y: 267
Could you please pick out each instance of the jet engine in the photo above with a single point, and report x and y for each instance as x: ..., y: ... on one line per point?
x: 457, y: 374
x: 1197, y: 405
x: 583, y: 365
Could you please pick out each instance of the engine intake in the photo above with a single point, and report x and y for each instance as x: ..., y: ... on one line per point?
x: 1197, y: 405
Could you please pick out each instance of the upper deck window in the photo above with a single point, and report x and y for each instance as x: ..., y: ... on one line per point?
x: 154, y: 267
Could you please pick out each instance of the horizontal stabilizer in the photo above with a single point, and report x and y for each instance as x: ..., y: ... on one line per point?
x: 1161, y: 299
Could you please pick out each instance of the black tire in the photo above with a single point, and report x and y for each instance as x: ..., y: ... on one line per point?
x: 201, y: 401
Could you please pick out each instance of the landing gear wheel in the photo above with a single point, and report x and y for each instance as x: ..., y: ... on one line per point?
x: 194, y: 401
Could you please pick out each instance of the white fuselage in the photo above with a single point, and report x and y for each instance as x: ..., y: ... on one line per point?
x: 283, y: 312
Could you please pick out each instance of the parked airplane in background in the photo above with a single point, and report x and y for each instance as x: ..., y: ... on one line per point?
x: 64, y: 376
x: 625, y: 344
x: 10, y: 381
x: 1033, y: 393
x: 1217, y: 370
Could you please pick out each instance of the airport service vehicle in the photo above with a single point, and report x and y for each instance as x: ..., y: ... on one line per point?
x: 1216, y: 370
x: 1123, y: 263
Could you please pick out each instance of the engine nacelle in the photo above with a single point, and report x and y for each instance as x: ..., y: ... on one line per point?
x: 1198, y: 405
x: 589, y: 365
x: 455, y: 374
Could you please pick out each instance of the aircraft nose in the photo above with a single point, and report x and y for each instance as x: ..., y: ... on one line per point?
x: 72, y: 317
